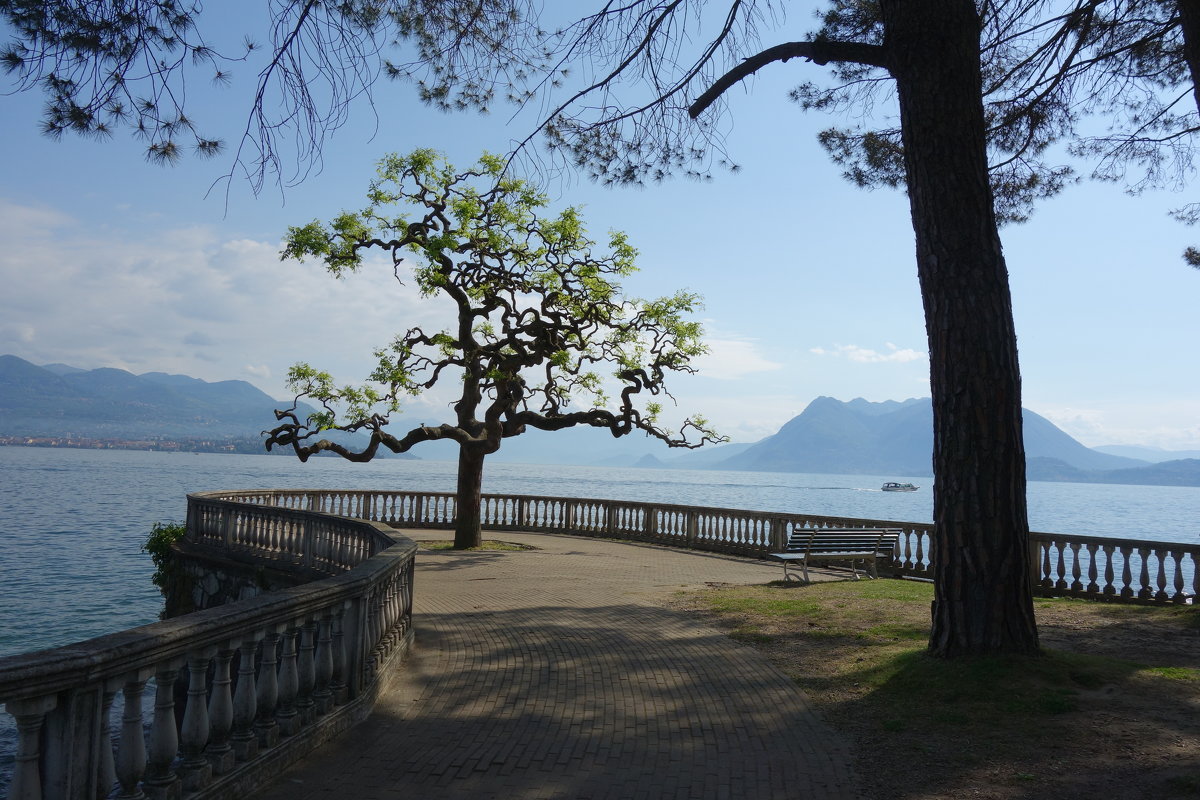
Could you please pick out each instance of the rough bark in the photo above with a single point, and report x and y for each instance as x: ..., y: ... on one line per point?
x: 469, y: 500
x: 1189, y: 24
x: 982, y: 593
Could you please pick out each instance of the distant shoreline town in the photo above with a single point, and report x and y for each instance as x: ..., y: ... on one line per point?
x: 244, y: 446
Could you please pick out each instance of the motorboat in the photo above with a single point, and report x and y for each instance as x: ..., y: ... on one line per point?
x: 892, y: 486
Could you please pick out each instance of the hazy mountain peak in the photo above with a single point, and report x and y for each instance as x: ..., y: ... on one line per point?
x: 62, y: 369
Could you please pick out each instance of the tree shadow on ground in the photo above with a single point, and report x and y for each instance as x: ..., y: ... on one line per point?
x: 621, y: 701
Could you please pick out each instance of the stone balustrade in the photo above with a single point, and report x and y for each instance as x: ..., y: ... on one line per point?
x: 1128, y: 570
x: 215, y: 703
x: 1122, y: 570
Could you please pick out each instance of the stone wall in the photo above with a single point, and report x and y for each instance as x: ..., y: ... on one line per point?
x: 199, y: 579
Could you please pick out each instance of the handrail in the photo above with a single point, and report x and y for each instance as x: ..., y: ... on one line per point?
x: 267, y: 678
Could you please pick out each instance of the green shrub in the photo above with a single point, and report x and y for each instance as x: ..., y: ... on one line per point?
x: 159, y: 545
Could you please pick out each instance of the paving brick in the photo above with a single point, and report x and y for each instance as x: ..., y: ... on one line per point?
x: 559, y: 674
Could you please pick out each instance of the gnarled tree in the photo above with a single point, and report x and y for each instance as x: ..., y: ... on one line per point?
x: 537, y: 316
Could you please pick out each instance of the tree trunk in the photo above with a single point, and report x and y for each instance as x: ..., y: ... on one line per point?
x: 467, y: 532
x: 1189, y: 24
x: 982, y: 596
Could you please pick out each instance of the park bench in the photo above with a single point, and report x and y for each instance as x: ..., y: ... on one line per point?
x: 827, y: 545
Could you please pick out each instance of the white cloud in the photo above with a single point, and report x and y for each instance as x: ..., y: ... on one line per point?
x: 732, y: 359
x: 864, y: 355
x: 743, y: 418
x: 260, y: 371
x: 198, y: 339
x: 17, y: 332
x: 1169, y: 425
x: 181, y: 300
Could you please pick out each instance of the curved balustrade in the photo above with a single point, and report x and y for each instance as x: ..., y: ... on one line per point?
x: 1096, y: 567
x: 265, y: 679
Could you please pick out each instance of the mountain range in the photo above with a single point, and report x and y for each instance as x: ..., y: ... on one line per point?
x: 893, y: 437
x: 896, y: 438
x: 59, y: 400
x: 829, y: 436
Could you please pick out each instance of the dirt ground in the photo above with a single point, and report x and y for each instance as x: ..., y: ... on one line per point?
x: 1126, y: 730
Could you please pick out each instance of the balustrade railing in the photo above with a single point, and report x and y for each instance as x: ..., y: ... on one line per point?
x: 1127, y: 570
x: 263, y: 679
x: 259, y: 673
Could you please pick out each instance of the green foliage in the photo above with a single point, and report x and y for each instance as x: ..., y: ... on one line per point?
x: 160, y: 546
x: 539, y: 315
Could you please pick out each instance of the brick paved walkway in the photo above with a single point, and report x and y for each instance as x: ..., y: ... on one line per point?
x: 557, y: 673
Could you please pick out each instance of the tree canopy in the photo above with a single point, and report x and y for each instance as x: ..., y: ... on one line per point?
x: 540, y: 334
x: 634, y: 90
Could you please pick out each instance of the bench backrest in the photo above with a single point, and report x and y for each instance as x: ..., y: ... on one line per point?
x: 877, y: 541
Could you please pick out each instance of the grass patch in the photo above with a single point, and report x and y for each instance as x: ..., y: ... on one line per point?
x: 488, y: 544
x: 1074, y: 720
x: 1176, y: 673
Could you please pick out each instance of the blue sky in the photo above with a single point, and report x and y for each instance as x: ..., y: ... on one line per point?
x: 810, y: 283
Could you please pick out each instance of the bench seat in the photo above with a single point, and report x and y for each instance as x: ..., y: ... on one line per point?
x: 834, y: 545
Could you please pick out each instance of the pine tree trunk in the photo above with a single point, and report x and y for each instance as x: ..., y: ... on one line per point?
x: 982, y: 597
x: 467, y: 532
x: 1189, y: 24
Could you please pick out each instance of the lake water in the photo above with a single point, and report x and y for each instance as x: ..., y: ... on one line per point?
x: 72, y: 522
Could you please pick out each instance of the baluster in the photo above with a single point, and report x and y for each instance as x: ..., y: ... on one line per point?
x: 27, y: 769
x: 194, y: 767
x: 1109, y: 589
x: 1092, y: 587
x: 306, y: 672
x: 220, y: 714
x: 337, y: 682
x: 131, y: 750
x: 375, y: 620
x: 409, y: 570
x: 1161, y: 582
x: 1195, y: 576
x: 1061, y: 571
x: 1126, y: 572
x: 376, y: 626
x: 1144, y: 590
x: 391, y: 610
x: 245, y: 704
x: 900, y: 554
x: 268, y: 692
x: 322, y: 696
x: 1178, y: 597
x: 108, y: 769
x: 161, y: 781
x: 289, y: 683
